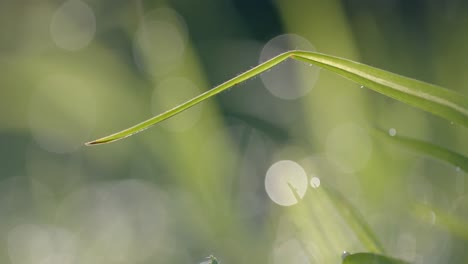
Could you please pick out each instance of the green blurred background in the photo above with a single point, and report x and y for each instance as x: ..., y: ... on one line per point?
x: 217, y: 179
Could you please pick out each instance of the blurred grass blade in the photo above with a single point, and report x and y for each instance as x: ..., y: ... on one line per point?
x: 272, y: 130
x: 428, y: 149
x: 370, y: 258
x: 445, y: 103
x: 355, y: 220
x: 449, y: 221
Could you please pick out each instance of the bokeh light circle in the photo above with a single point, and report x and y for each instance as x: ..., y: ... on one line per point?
x: 160, y: 42
x: 122, y: 220
x: 73, y: 25
x: 29, y: 244
x: 315, y: 182
x: 284, y: 181
x: 291, y: 79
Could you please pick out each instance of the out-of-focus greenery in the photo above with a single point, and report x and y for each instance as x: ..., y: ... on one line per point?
x: 206, y: 182
x: 367, y: 258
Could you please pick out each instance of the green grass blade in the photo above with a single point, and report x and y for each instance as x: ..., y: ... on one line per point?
x: 198, y: 99
x: 370, y: 258
x: 428, y: 149
x: 434, y: 99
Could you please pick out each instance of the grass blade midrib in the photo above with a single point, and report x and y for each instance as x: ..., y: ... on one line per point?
x: 434, y: 99
x: 437, y: 100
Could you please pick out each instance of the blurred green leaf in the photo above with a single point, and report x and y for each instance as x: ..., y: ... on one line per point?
x: 449, y: 221
x: 355, y: 220
x: 275, y: 132
x: 371, y: 258
x: 445, y: 103
x: 427, y: 149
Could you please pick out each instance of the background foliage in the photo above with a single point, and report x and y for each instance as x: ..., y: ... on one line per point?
x: 71, y: 71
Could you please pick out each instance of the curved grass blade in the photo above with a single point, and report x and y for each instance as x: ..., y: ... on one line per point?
x: 371, y: 258
x: 445, y: 103
x: 431, y: 98
x: 428, y: 149
x: 198, y: 99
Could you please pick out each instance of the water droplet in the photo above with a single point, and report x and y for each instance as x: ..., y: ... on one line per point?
x: 315, y: 182
x: 345, y: 254
x: 392, y: 132
x: 362, y: 86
